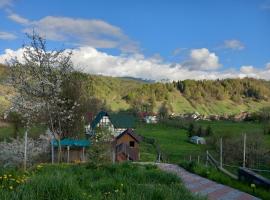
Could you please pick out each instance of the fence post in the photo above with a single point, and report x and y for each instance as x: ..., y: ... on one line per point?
x: 198, y: 159
x: 67, y: 154
x: 206, y: 157
x: 244, y: 151
x: 83, y: 154
x: 220, y: 158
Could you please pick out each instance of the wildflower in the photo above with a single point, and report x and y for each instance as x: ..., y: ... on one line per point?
x: 122, y: 184
x: 116, y: 190
x: 11, y: 187
x: 9, y: 175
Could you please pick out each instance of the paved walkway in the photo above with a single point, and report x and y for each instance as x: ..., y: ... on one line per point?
x: 206, y: 187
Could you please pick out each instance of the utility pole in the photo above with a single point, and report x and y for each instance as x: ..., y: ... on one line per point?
x: 244, y: 151
x: 220, y: 154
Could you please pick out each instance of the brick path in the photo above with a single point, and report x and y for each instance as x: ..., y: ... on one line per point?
x: 205, y: 187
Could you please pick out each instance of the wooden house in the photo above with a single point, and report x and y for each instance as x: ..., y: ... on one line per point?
x: 72, y: 150
x: 126, y: 146
x: 116, y: 123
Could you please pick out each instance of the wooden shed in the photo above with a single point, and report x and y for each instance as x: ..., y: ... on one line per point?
x: 126, y: 146
x: 72, y: 150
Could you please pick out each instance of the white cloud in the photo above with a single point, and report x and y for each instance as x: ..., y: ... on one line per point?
x: 90, y: 32
x: 9, y: 54
x: 234, y: 44
x: 7, y: 36
x: 17, y: 18
x: 92, y: 61
x: 247, y: 69
x: 202, y: 59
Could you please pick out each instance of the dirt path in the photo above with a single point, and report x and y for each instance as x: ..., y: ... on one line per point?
x: 203, y: 186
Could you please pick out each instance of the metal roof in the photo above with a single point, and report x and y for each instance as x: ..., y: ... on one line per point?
x: 119, y: 120
x: 71, y: 143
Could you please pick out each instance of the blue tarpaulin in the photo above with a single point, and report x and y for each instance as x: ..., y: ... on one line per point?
x: 71, y: 143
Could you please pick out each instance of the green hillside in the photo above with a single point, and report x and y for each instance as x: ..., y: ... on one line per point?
x: 229, y: 96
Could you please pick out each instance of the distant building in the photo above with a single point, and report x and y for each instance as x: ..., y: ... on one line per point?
x: 126, y: 146
x: 197, y: 140
x: 151, y: 119
x: 116, y: 123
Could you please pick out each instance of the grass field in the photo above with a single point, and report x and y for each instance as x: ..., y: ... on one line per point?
x: 173, y: 142
x: 85, y: 182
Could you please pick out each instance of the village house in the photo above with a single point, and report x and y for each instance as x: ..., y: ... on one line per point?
x: 116, y: 123
x: 126, y: 146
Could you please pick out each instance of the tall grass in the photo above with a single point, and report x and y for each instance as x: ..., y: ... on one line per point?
x: 82, y: 182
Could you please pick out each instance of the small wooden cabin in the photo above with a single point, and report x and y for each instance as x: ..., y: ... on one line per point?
x: 72, y: 150
x: 126, y: 146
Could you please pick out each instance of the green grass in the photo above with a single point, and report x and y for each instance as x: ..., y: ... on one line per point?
x: 236, y: 129
x: 83, y: 182
x: 230, y: 127
x: 173, y: 142
x: 215, y: 175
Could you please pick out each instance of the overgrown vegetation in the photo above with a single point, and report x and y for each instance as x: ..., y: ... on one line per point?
x: 83, y: 182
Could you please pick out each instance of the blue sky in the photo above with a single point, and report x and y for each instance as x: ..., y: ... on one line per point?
x: 224, y: 35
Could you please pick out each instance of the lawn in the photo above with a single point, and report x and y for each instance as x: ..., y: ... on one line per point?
x: 173, y: 142
x: 83, y: 182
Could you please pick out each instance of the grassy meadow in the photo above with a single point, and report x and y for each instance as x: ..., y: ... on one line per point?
x: 173, y: 141
x: 83, y: 182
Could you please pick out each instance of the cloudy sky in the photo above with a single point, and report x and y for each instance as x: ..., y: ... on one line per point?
x: 151, y: 39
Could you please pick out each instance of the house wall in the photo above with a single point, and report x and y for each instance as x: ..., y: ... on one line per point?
x: 105, y: 122
x: 126, y: 139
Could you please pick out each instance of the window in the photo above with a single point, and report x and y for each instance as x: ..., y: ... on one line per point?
x: 131, y: 143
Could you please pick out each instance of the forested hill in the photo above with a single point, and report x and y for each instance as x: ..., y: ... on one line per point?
x: 229, y: 96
